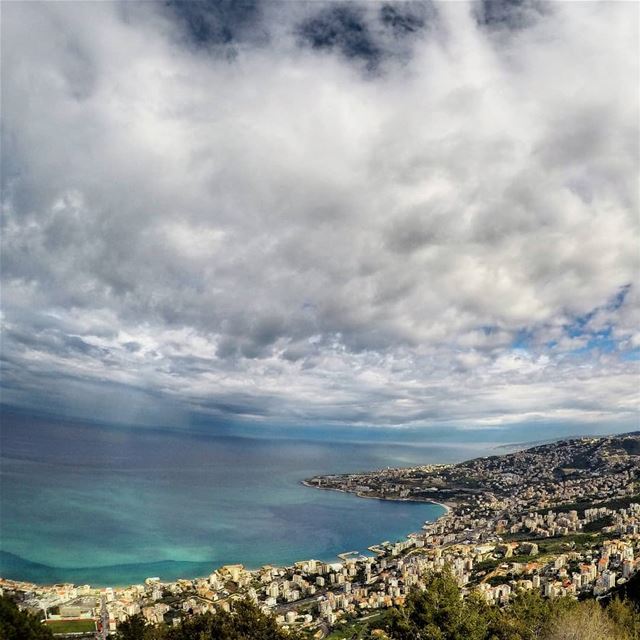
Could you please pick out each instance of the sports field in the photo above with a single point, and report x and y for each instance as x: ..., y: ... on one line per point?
x: 71, y: 626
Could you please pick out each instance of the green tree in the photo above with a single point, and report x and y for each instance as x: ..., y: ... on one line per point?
x: 136, y: 628
x: 588, y: 621
x: 438, y: 613
x: 625, y: 616
x: 528, y: 614
x: 20, y: 625
x: 244, y: 621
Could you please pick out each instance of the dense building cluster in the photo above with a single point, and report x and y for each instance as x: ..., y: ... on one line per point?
x: 563, y: 519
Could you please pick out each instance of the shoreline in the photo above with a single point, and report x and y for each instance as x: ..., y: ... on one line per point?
x: 447, y: 507
x: 454, y: 512
x: 469, y: 534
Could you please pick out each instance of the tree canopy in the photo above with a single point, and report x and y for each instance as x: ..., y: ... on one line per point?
x: 440, y: 613
x: 20, y: 625
x: 436, y: 613
x: 244, y: 621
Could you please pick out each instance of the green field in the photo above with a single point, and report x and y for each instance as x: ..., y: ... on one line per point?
x: 71, y: 626
x: 615, y: 503
x: 357, y: 628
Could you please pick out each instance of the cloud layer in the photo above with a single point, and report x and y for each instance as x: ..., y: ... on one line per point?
x: 377, y: 213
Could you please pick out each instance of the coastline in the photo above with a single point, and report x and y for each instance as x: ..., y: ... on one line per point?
x: 215, y: 565
x: 449, y: 507
x: 270, y: 523
x: 468, y: 539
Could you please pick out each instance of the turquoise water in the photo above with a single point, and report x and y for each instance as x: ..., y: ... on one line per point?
x: 114, y: 505
x: 135, y: 503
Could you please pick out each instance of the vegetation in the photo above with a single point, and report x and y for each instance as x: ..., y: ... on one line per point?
x: 71, y: 626
x: 560, y: 544
x: 436, y: 613
x: 589, y: 621
x: 586, y: 503
x: 598, y: 524
x: 244, y: 622
x: 439, y: 613
x: 357, y: 629
x: 490, y: 565
x: 628, y: 591
x: 20, y: 625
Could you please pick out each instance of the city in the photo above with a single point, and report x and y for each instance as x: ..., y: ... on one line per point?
x: 320, y: 320
x: 561, y: 518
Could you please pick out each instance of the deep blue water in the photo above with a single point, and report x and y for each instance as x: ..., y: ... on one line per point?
x: 114, y: 505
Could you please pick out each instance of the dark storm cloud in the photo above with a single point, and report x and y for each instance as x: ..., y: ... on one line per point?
x: 404, y: 18
x: 361, y: 32
x: 510, y: 14
x: 342, y: 27
x: 219, y: 22
x: 280, y: 233
x: 368, y: 33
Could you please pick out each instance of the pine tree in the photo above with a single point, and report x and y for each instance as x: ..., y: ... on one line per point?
x: 20, y: 625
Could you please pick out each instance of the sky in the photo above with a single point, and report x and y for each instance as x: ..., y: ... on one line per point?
x: 395, y: 214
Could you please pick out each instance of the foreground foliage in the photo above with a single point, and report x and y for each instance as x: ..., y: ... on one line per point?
x: 20, y: 625
x: 244, y: 622
x: 437, y: 613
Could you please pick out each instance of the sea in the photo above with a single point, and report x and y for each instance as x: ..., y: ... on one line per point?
x: 103, y: 504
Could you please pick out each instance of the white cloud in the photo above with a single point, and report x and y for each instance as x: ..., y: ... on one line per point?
x: 290, y: 233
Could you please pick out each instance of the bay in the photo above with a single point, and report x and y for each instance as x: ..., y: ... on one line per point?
x: 107, y: 504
